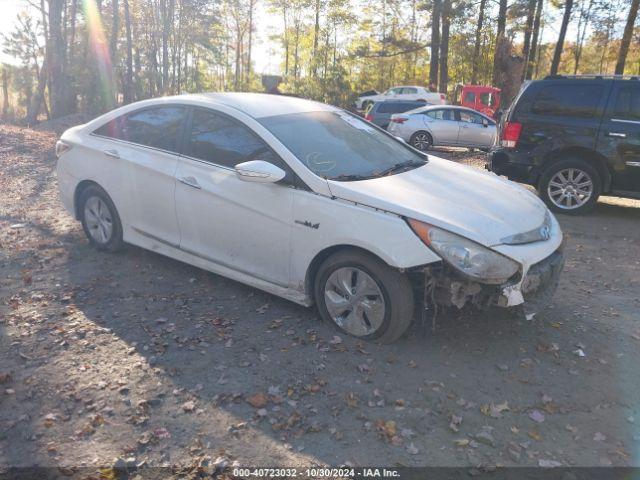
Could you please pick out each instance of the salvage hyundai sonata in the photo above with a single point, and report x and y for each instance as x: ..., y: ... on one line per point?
x: 311, y: 203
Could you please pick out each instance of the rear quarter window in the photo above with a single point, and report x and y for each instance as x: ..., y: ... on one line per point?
x: 392, y: 107
x: 570, y: 100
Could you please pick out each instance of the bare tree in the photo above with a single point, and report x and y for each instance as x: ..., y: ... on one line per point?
x: 528, y: 30
x: 500, y: 39
x: 478, y: 41
x: 444, y: 46
x: 435, y: 44
x: 626, y: 37
x: 557, y: 54
x: 532, y: 60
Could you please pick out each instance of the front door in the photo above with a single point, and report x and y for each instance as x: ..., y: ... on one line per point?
x: 619, y: 137
x: 473, y: 132
x: 240, y: 225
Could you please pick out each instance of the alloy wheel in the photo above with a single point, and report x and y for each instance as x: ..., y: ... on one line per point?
x: 421, y: 141
x: 570, y: 188
x: 354, y: 301
x: 98, y: 219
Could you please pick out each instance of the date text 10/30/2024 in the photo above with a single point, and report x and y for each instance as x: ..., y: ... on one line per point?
x: 315, y: 472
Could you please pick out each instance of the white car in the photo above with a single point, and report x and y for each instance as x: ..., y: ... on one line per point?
x: 412, y: 92
x: 430, y: 126
x: 308, y: 202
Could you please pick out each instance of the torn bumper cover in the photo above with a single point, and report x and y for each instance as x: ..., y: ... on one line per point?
x: 533, y: 291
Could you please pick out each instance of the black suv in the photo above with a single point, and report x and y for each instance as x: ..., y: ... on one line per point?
x: 573, y: 138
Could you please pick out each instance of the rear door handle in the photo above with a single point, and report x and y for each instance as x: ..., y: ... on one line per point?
x: 111, y: 153
x: 190, y: 181
x: 617, y: 135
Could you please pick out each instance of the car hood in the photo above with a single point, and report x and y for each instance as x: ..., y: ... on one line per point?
x: 475, y: 204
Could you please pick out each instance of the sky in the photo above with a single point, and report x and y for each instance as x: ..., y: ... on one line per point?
x: 266, y: 56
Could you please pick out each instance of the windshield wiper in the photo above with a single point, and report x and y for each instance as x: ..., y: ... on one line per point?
x: 346, y: 177
x: 399, y: 166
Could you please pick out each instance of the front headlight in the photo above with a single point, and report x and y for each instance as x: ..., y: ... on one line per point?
x: 470, y: 258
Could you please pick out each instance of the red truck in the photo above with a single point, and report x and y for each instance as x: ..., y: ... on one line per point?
x: 482, y: 98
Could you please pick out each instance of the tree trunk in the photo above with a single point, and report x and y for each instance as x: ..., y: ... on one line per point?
x: 531, y: 61
x: 528, y: 30
x: 435, y: 45
x: 55, y: 47
x: 557, y: 54
x: 285, y: 39
x: 248, y: 73
x: 626, y: 37
x: 115, y: 29
x: 128, y: 83
x: 502, y: 24
x: 5, y: 92
x: 444, y: 47
x: 476, y: 48
x: 316, y: 34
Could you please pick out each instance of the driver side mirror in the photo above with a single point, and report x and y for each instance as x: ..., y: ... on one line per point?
x: 259, y: 171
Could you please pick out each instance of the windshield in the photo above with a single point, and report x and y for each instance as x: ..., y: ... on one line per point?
x: 339, y: 146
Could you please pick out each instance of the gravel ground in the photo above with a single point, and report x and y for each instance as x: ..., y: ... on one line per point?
x: 140, y: 358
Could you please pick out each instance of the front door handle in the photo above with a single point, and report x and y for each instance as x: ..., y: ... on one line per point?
x: 111, y: 153
x: 190, y: 181
x: 617, y: 135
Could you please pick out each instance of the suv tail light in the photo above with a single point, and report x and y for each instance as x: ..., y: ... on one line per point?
x: 399, y: 119
x: 510, y: 134
x: 368, y: 117
x: 443, y: 97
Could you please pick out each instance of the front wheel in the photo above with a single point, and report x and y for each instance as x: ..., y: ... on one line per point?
x: 570, y: 186
x: 364, y: 297
x: 421, y: 141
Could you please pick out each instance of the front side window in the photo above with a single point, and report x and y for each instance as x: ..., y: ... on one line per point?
x: 218, y: 139
x: 442, y: 114
x: 568, y: 100
x: 470, y: 97
x: 338, y: 146
x: 470, y: 117
x: 157, y: 127
x: 627, y: 106
x: 409, y: 91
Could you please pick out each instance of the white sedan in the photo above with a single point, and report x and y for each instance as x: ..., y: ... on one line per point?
x: 413, y: 92
x: 310, y: 203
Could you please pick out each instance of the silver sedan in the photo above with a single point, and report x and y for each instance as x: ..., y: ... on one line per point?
x: 444, y: 126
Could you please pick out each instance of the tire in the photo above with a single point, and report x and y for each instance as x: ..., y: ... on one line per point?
x: 577, y: 173
x: 418, y: 140
x: 98, y: 213
x: 387, y: 320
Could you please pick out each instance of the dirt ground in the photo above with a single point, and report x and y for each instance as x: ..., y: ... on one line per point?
x: 136, y: 358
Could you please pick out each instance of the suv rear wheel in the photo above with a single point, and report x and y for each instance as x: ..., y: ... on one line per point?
x: 570, y: 186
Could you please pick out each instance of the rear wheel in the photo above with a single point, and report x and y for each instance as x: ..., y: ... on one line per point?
x: 570, y: 186
x: 421, y: 141
x: 364, y: 297
x: 100, y: 219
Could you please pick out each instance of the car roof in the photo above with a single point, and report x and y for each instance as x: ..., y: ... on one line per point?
x: 256, y: 105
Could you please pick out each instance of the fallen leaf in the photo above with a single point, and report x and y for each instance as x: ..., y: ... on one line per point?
x: 258, y: 400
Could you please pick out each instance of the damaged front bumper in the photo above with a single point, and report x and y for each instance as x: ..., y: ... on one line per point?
x: 447, y: 288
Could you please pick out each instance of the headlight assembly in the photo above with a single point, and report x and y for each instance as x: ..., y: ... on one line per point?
x: 468, y: 257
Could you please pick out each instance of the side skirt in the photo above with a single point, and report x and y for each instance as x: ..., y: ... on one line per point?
x: 157, y: 245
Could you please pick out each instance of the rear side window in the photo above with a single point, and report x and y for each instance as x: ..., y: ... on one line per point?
x: 443, y: 114
x: 627, y: 106
x: 152, y: 127
x: 409, y: 91
x: 568, y: 100
x: 470, y: 97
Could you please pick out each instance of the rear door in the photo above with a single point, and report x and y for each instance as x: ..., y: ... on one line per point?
x: 619, y: 137
x: 144, y: 146
x: 443, y: 126
x: 560, y: 113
